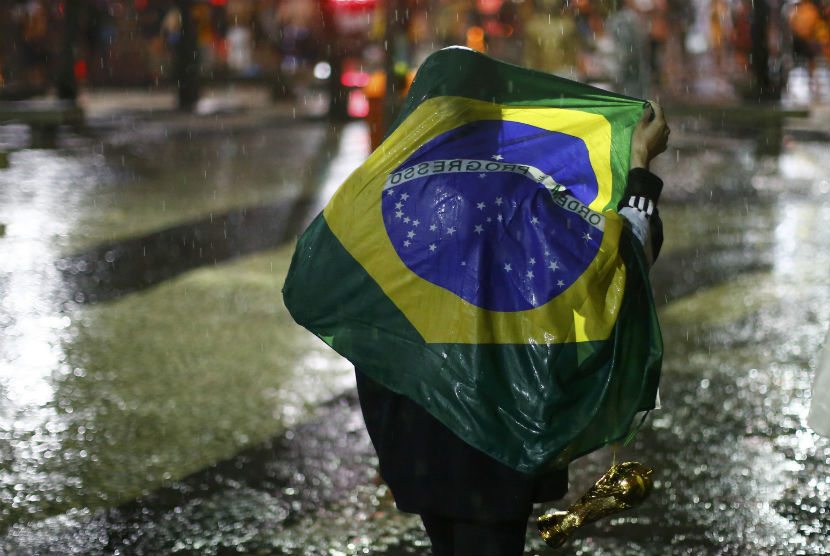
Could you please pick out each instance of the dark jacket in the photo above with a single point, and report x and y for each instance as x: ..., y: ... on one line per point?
x: 430, y: 470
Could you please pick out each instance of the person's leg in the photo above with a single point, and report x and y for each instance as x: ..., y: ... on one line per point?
x: 440, y: 532
x: 476, y: 538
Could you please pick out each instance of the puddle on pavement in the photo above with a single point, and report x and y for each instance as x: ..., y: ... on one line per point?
x: 165, y: 382
x: 110, y: 271
x: 144, y: 435
x: 102, y: 404
x: 165, y: 179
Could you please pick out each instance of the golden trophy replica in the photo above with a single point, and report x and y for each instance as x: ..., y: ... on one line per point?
x: 623, y: 486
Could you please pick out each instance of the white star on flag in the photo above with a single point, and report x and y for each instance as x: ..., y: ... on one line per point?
x: 508, y: 268
x: 478, y: 229
x: 498, y: 157
x: 405, y: 196
x: 530, y: 274
x: 480, y: 206
x: 553, y: 265
x: 410, y: 234
x: 432, y: 247
x: 451, y: 230
x: 499, y: 201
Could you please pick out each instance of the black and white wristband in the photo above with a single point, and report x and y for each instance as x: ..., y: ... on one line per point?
x: 643, y: 204
x: 638, y: 210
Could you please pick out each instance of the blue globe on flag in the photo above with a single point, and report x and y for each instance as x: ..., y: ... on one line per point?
x: 466, y: 211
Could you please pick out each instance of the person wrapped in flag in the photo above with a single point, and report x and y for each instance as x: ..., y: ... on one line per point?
x: 486, y: 271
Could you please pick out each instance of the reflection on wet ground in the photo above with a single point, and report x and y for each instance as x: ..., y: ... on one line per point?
x: 101, y: 404
x: 113, y: 270
x: 188, y: 415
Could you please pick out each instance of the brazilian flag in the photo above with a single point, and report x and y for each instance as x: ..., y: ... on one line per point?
x: 476, y: 262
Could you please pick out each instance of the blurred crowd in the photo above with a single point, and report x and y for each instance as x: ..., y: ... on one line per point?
x: 641, y: 47
x: 637, y: 47
x: 133, y: 42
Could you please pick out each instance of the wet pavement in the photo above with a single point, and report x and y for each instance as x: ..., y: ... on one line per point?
x: 156, y: 398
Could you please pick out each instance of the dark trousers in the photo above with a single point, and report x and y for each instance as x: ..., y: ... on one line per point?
x: 474, y: 538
